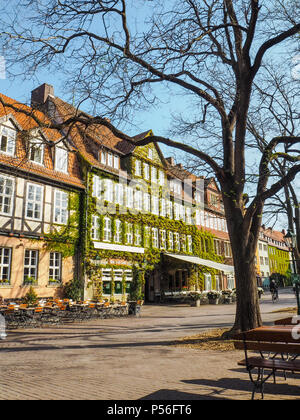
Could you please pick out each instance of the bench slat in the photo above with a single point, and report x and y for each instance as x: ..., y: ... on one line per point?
x: 272, y: 364
x: 270, y: 347
x: 281, y: 334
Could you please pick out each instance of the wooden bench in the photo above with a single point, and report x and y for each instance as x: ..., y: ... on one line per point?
x: 288, y: 321
x: 277, y: 349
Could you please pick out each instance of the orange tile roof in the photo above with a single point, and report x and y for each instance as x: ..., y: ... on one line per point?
x: 23, y: 116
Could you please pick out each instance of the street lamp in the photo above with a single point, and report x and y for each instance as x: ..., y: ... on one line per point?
x: 291, y: 240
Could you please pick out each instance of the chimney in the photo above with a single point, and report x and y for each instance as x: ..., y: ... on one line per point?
x: 283, y: 232
x: 170, y: 160
x: 39, y: 95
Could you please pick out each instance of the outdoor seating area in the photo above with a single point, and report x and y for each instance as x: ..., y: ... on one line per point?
x: 59, y: 311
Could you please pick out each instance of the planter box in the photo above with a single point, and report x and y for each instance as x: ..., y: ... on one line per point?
x: 196, y: 303
x: 213, y: 301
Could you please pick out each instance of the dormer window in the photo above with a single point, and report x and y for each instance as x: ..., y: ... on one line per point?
x: 61, y: 159
x: 109, y: 159
x: 103, y: 157
x: 116, y: 162
x: 36, y: 151
x: 8, y: 140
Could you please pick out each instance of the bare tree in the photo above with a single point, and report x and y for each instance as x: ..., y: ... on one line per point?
x: 209, y: 51
x: 277, y: 110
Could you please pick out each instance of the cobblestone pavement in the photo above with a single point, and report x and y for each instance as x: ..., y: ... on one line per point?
x: 132, y: 358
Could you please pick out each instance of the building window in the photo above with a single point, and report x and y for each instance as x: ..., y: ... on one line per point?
x: 109, y: 190
x: 161, y: 177
x: 153, y: 174
x: 155, y: 243
x: 61, y: 207
x: 170, y: 209
x: 55, y: 267
x: 31, y: 266
x: 147, y: 203
x: 171, y: 241
x: 176, y: 241
x: 217, y: 246
x: 137, y: 235
x: 138, y: 168
x: 36, y: 151
x: 129, y: 197
x: 34, y: 201
x: 116, y: 162
x: 109, y: 159
x: 188, y: 211
x: 189, y: 244
x: 107, y: 229
x: 5, y: 265
x: 146, y: 171
x: 183, y: 243
x: 138, y: 200
x: 150, y: 154
x: 95, y: 235
x: 118, y: 231
x: 6, y: 194
x: 129, y: 233
x: 8, y: 140
x: 163, y: 239
x: 119, y: 194
x: 103, y: 157
x: 163, y: 211
x: 61, y: 159
x: 227, y: 249
x: 155, y: 205
x: 147, y: 231
x: 176, y: 211
x: 96, y: 186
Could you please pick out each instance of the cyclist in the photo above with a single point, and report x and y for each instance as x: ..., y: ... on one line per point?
x: 274, y: 290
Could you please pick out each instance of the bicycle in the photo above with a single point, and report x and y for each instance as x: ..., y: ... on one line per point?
x: 274, y: 294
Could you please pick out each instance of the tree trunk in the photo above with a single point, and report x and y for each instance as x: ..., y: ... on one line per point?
x: 244, y: 244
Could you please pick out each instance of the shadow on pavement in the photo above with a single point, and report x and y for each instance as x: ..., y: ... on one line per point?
x: 173, y: 394
x: 237, y: 384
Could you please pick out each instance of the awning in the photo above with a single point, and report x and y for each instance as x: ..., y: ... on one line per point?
x: 207, y: 263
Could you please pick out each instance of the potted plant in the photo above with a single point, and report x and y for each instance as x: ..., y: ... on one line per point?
x: 213, y: 297
x: 31, y: 297
x: 227, y: 295
x: 195, y: 298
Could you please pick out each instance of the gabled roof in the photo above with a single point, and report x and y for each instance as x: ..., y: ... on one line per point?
x: 24, y: 121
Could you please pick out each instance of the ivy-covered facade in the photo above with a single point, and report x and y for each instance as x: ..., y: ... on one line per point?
x: 137, y: 217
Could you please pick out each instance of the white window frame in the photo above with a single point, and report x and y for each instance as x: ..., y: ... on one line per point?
x: 119, y: 194
x: 154, y: 174
x: 97, y: 186
x: 146, y: 169
x: 110, y: 159
x: 118, y: 231
x: 155, y: 205
x: 7, y: 199
x: 63, y: 158
x: 150, y: 153
x: 129, y: 233
x: 171, y: 241
x: 34, y: 202
x: 138, y: 200
x: 33, y: 265
x: 163, y: 239
x: 55, y: 266
x: 60, y: 198
x: 5, y: 263
x: 108, y: 190
x: 103, y: 157
x: 189, y: 244
x: 147, y: 203
x: 137, y: 235
x: 11, y: 136
x: 155, y: 238
x: 95, y: 234
x: 176, y: 241
x: 129, y: 197
x: 37, y: 141
x: 107, y: 229
x: 138, y: 168
x: 163, y: 210
x: 116, y: 161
